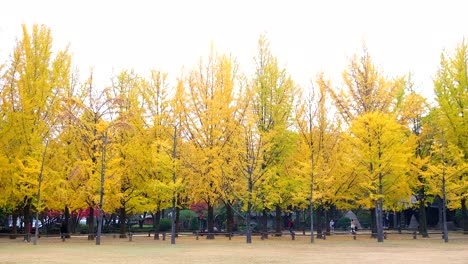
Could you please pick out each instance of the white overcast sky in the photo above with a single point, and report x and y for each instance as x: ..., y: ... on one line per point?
x: 307, y: 37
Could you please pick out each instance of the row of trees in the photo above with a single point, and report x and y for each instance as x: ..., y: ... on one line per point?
x: 260, y: 143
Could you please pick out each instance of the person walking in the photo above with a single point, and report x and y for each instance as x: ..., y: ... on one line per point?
x: 353, y: 226
x: 332, y: 226
x: 291, y: 227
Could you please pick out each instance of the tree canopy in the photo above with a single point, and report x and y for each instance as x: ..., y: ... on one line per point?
x: 256, y: 143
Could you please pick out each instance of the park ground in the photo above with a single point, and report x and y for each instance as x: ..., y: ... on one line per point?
x: 397, y: 248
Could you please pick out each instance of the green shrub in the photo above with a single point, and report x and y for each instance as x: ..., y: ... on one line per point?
x: 165, y: 224
x: 186, y: 215
x: 194, y: 224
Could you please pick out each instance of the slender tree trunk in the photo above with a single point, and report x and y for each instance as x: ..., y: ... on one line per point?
x: 264, y: 223
x: 14, y: 228
x: 210, y: 222
x: 379, y: 220
x: 247, y: 220
x: 278, y: 222
x: 156, y: 224
x: 422, y: 219
x: 464, y: 216
x: 373, y: 223
x: 441, y: 221
x: 319, y: 221
x: 123, y: 220
x: 327, y: 221
x: 27, y: 220
x: 249, y: 207
x: 229, y: 218
x: 380, y: 236
x: 177, y: 222
x: 91, y: 223
x: 67, y: 222
x: 142, y: 221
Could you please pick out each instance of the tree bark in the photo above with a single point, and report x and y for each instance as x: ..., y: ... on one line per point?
x: 379, y: 218
x: 142, y: 221
x: 319, y: 221
x: 373, y: 223
x: 156, y: 224
x: 122, y: 221
x: 67, y: 222
x: 422, y: 219
x: 327, y: 221
x: 177, y: 222
x: 441, y: 221
x: 91, y: 223
x: 210, y: 222
x: 229, y: 218
x: 27, y: 219
x: 264, y: 223
x: 278, y: 222
x: 14, y: 228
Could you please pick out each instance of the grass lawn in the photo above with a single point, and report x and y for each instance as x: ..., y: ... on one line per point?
x: 142, y: 249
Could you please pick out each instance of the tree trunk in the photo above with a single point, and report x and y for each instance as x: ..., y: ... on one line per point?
x: 249, y: 207
x: 177, y: 222
x: 327, y: 221
x: 264, y: 224
x: 210, y: 222
x: 67, y: 222
x: 27, y: 220
x: 142, y: 221
x: 278, y: 222
x: 14, y: 228
x: 422, y: 219
x: 122, y: 221
x: 319, y: 221
x: 373, y: 223
x: 229, y: 218
x: 441, y: 221
x: 156, y: 224
x: 464, y: 216
x: 91, y: 223
x: 379, y: 219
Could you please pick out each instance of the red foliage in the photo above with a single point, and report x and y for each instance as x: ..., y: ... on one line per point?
x: 199, y: 207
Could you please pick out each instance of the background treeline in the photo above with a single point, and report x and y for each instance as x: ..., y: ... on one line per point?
x: 254, y: 143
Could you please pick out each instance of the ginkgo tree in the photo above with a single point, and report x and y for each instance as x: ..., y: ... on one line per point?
x: 160, y: 143
x: 413, y: 113
x: 90, y: 116
x: 273, y: 97
x: 65, y: 153
x: 29, y: 96
x: 320, y: 137
x: 382, y: 150
x: 367, y: 91
x: 126, y: 133
x: 206, y: 121
x: 451, y: 90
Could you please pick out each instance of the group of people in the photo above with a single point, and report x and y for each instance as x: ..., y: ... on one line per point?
x: 332, y: 226
x: 352, y: 224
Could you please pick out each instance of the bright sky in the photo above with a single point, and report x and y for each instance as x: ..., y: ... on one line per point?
x: 306, y: 36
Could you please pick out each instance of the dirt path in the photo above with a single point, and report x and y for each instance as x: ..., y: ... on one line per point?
x: 144, y: 249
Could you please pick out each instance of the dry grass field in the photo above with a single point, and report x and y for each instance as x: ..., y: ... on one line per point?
x: 143, y: 249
